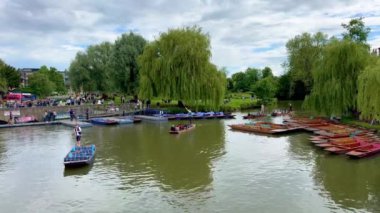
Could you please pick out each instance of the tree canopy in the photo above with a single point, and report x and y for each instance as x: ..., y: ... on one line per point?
x: 303, y: 53
x: 356, y: 30
x: 124, y: 59
x: 46, y: 81
x: 55, y: 77
x: 91, y: 70
x: 40, y: 84
x: 335, y: 78
x: 265, y: 89
x: 369, y: 90
x: 11, y: 77
x: 177, y: 66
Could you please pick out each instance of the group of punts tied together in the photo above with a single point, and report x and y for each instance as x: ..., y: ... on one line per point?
x: 331, y: 136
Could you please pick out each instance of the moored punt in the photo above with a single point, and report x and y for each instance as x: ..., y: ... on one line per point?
x: 104, y: 121
x: 209, y: 115
x: 181, y: 128
x: 340, y: 149
x: 80, y: 156
x: 264, y: 128
x: 335, y: 141
x: 219, y: 115
x: 365, y: 151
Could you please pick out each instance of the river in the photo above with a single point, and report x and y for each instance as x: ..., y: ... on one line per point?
x: 142, y: 168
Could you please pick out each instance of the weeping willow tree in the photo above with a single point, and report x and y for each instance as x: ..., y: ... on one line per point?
x: 368, y: 91
x: 177, y: 66
x: 335, y: 78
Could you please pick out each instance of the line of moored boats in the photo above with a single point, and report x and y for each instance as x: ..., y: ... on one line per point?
x: 331, y: 136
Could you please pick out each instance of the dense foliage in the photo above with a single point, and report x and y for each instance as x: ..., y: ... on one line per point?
x: 108, y: 67
x: 9, y: 77
x: 335, y: 78
x: 356, y: 31
x: 265, y: 89
x: 46, y: 81
x: 124, y: 61
x: 90, y: 70
x: 303, y: 53
x: 369, y: 90
x: 40, y: 84
x: 177, y: 66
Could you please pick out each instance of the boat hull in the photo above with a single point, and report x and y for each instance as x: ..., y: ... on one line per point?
x: 80, y: 156
x: 182, y: 131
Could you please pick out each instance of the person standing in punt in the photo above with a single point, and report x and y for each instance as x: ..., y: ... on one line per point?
x: 78, y: 134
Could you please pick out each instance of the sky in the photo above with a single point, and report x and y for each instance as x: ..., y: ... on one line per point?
x: 243, y: 33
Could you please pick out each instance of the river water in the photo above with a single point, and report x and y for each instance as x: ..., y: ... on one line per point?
x: 142, y: 168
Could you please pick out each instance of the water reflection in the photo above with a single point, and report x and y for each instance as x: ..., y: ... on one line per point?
x: 348, y: 184
x: 148, y: 154
x: 351, y: 184
x: 76, y: 171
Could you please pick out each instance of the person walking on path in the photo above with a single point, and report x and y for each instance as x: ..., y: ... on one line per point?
x: 78, y: 134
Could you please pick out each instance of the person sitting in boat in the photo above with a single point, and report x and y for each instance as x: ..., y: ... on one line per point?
x: 173, y: 128
x: 78, y: 134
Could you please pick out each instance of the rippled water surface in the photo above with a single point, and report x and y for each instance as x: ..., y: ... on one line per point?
x: 142, y: 168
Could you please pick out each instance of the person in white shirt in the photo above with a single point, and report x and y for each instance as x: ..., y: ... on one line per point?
x: 78, y: 133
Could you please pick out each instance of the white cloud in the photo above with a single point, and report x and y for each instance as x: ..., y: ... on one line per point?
x: 243, y: 33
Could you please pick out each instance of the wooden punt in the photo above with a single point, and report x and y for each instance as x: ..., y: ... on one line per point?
x: 336, y: 141
x: 181, y: 128
x: 264, y: 128
x: 340, y: 149
x: 80, y: 156
x: 365, y: 151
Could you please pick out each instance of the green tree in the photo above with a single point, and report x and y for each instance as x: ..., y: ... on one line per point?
x: 10, y: 75
x: 356, y: 31
x: 40, y: 84
x: 303, y: 53
x: 91, y: 70
x: 126, y: 50
x: 283, y: 91
x: 3, y: 85
x: 55, y: 77
x: 369, y: 90
x: 267, y: 72
x: 177, y: 66
x: 265, y: 89
x: 240, y: 84
x: 100, y: 66
x: 230, y: 84
x: 335, y: 78
x: 79, y: 73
